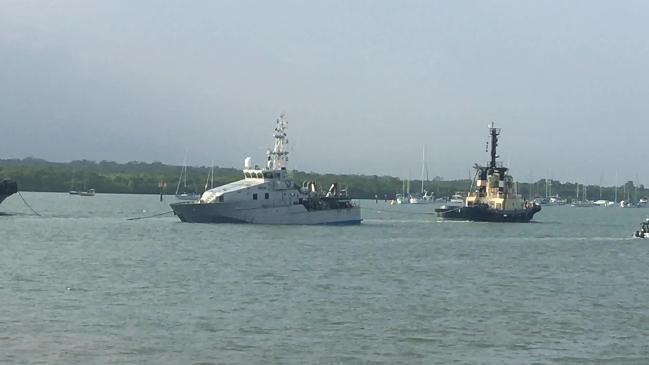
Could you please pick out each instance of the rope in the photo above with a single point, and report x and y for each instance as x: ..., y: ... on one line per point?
x: 27, y: 204
x: 149, y: 216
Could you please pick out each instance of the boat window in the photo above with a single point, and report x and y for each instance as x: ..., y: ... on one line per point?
x: 266, y: 196
x: 247, y: 174
x: 277, y: 175
x: 254, y: 196
x: 259, y: 175
x: 268, y: 175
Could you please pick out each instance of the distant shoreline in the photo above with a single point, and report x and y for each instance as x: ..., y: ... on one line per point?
x: 38, y: 175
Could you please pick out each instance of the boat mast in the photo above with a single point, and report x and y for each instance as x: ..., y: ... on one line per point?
x: 183, y: 172
x: 423, y: 163
x: 210, y: 178
x: 494, y: 132
x: 615, y: 187
x: 278, y: 156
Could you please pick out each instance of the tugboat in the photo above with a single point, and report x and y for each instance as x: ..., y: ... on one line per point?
x: 644, y: 231
x: 7, y: 188
x: 493, y: 198
x: 269, y: 196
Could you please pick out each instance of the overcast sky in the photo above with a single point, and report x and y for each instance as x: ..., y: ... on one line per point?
x: 365, y: 84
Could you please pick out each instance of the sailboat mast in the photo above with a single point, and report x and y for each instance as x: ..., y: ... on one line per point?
x: 423, y: 164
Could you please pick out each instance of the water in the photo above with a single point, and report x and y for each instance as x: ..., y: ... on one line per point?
x: 82, y: 285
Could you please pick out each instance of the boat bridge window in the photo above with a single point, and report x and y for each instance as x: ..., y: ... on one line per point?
x: 248, y: 175
x: 254, y: 196
x: 268, y: 175
x: 259, y: 175
x: 266, y: 196
x: 277, y: 175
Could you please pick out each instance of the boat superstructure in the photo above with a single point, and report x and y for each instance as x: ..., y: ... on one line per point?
x: 492, y: 197
x: 269, y: 196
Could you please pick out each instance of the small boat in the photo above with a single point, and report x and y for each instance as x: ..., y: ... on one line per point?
x: 401, y: 199
x: 625, y: 204
x: 457, y: 198
x: 417, y: 199
x: 644, y: 230
x: 89, y: 192
x: 584, y: 203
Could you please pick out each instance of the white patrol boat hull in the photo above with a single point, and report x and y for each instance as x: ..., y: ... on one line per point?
x: 196, y: 212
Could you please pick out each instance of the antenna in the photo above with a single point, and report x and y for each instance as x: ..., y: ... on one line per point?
x: 278, y: 156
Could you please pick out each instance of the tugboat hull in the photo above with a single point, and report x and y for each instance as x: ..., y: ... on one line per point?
x: 7, y: 188
x: 485, y: 214
x: 195, y: 212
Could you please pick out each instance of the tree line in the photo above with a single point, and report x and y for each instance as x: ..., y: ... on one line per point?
x: 134, y: 177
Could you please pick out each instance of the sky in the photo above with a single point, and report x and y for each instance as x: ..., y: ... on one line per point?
x: 364, y: 84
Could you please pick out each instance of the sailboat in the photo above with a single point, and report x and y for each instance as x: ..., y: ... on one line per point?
x: 423, y: 197
x: 89, y: 192
x: 73, y: 191
x: 184, y: 195
x: 585, y: 203
x: 84, y: 192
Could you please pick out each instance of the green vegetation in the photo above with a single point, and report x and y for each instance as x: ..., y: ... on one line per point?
x: 143, y: 178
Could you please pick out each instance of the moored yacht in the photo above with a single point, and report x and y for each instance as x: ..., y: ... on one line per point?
x: 494, y: 198
x: 269, y: 196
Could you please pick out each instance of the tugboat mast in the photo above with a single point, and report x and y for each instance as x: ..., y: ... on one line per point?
x: 494, y: 132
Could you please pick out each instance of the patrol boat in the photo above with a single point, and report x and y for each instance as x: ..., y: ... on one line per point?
x: 269, y: 196
x: 492, y: 198
x: 7, y: 188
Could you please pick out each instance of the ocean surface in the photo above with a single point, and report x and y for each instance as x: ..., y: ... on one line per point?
x: 84, y: 285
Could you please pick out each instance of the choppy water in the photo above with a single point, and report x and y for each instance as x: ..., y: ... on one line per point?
x: 82, y: 285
